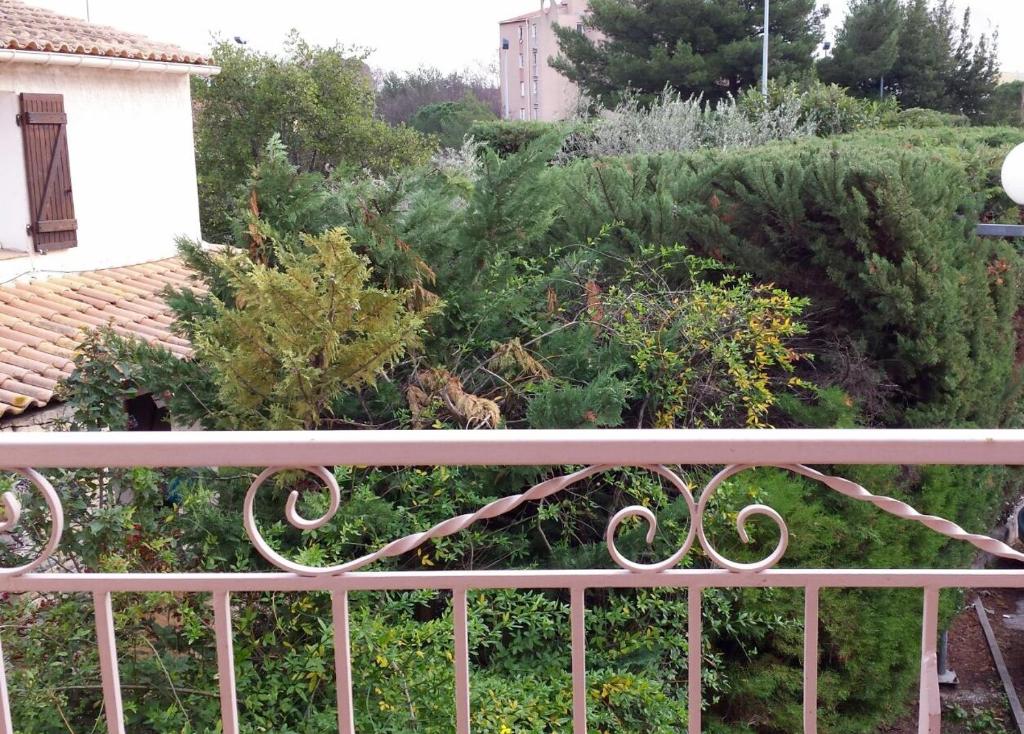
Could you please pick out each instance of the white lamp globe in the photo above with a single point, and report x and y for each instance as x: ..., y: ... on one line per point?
x: 1013, y: 174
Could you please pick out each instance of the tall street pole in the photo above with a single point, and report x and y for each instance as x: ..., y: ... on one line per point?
x: 764, y: 54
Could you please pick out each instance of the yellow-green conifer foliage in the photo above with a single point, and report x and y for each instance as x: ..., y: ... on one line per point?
x: 301, y: 333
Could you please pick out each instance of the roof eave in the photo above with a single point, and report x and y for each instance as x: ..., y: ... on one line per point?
x: 88, y: 61
x: 521, y: 18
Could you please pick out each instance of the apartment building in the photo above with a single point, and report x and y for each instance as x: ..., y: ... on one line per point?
x: 530, y: 88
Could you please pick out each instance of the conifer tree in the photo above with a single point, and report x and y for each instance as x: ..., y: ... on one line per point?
x: 867, y: 46
x: 924, y: 63
x: 975, y: 71
x: 917, y: 50
x: 1007, y: 105
x: 300, y: 334
x: 696, y: 47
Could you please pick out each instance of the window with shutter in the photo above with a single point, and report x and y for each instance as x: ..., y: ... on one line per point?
x: 52, y: 207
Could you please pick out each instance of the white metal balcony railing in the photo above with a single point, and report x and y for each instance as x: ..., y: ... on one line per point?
x: 597, y: 450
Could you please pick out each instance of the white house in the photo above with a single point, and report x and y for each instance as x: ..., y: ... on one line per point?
x: 97, y: 180
x: 96, y: 144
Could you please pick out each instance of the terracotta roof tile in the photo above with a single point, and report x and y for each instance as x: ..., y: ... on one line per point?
x: 78, y: 320
x: 34, y: 336
x: 17, y: 402
x: 43, y: 322
x: 39, y: 368
x: 124, y: 286
x: 29, y: 378
x: 28, y: 28
x: 38, y: 394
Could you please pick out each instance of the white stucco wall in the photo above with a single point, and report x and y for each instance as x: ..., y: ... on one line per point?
x: 13, y: 192
x: 132, y: 164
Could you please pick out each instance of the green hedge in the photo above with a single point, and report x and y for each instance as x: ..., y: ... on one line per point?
x: 876, y: 228
x: 508, y: 138
x: 918, y: 117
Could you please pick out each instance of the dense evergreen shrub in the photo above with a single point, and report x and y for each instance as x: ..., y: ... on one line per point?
x: 508, y: 138
x: 875, y: 229
x: 450, y: 121
x: 919, y: 118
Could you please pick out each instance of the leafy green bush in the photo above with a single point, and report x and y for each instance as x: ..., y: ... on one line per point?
x: 507, y: 138
x: 828, y: 109
x: 671, y: 123
x: 451, y: 121
x: 318, y: 100
x: 917, y: 117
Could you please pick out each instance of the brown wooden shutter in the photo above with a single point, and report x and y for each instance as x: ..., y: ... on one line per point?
x: 44, y: 131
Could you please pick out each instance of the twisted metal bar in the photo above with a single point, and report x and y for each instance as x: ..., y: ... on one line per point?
x: 456, y: 524
x: 12, y: 515
x: 845, y: 487
x: 906, y: 512
x: 696, y: 532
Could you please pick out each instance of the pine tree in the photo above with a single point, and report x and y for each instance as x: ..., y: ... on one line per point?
x: 924, y: 63
x: 1007, y: 105
x: 866, y: 47
x: 696, y: 47
x: 917, y: 50
x: 975, y: 72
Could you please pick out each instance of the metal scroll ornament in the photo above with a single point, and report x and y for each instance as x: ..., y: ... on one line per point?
x: 696, y: 533
x: 12, y: 516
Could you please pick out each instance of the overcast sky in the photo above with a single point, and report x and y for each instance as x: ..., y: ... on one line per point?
x: 403, y: 34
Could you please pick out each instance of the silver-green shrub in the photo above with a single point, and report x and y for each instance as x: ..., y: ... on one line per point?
x: 676, y: 124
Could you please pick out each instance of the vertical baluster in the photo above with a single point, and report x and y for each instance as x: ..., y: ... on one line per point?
x: 811, y: 660
x: 225, y: 661
x: 930, y: 712
x: 107, y: 645
x: 459, y: 617
x: 693, y: 639
x: 579, y: 663
x: 343, y: 662
x: 6, y: 726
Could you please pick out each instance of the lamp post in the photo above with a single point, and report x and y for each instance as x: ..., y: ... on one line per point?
x: 764, y: 51
x: 1013, y: 174
x: 1013, y: 184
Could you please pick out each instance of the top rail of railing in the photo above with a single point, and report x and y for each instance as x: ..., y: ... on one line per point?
x: 596, y: 451
x: 512, y: 448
